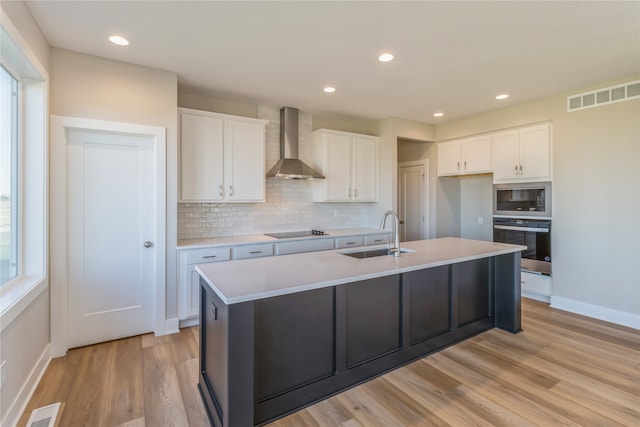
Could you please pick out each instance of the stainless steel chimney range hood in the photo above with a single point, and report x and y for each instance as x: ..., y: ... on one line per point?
x: 290, y: 166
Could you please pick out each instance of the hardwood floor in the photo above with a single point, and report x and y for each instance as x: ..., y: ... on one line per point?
x: 563, y: 369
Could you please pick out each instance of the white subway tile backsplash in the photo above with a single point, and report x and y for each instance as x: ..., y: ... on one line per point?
x: 288, y: 204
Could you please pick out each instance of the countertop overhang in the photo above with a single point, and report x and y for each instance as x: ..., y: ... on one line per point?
x: 253, y: 279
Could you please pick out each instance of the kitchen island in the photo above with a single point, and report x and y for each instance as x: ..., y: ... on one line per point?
x: 278, y: 334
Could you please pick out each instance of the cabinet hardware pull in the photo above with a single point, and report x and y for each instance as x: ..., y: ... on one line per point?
x: 378, y: 240
x: 349, y: 193
x: 516, y: 169
x: 210, y: 256
x: 458, y: 165
x: 351, y: 243
x: 465, y: 165
x: 520, y: 169
x: 255, y: 252
x: 214, y: 311
x: 220, y: 190
x: 355, y: 193
x: 231, y: 190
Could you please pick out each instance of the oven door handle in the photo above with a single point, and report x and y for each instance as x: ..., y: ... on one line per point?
x: 530, y: 229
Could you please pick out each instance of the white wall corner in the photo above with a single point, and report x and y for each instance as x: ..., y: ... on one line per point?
x: 18, y: 406
x: 623, y: 318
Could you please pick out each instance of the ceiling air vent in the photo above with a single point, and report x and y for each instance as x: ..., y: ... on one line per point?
x: 607, y: 95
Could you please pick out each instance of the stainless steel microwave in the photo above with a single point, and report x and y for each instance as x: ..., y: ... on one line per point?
x: 522, y: 199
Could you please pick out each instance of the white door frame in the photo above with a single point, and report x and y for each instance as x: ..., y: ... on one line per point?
x: 425, y: 163
x: 59, y: 285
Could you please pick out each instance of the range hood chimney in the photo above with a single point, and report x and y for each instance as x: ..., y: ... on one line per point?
x: 289, y: 166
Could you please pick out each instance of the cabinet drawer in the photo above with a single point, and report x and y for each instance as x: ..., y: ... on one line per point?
x: 199, y: 256
x: 536, y: 283
x: 300, y: 246
x: 349, y: 242
x: 252, y: 251
x: 377, y: 239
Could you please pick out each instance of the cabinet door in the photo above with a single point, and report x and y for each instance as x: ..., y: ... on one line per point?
x: 449, y: 158
x: 190, y: 293
x: 244, y: 161
x: 252, y: 251
x: 201, y: 148
x: 337, y: 169
x: 476, y: 154
x: 535, y: 152
x: 364, y: 176
x: 506, y: 148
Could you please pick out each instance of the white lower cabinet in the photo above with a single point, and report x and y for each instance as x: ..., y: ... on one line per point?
x: 377, y: 239
x: 536, y: 286
x: 349, y: 242
x: 252, y: 251
x: 300, y: 246
x: 189, y: 286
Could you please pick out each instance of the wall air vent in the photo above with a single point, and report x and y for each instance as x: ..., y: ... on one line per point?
x: 607, y: 95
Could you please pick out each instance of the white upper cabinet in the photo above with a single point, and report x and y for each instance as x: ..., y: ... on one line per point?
x: 465, y: 156
x: 523, y: 154
x: 349, y: 163
x: 222, y: 158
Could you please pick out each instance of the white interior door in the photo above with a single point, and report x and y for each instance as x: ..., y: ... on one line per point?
x: 111, y: 235
x: 411, y: 202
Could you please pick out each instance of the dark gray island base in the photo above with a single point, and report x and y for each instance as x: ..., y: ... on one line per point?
x: 263, y: 359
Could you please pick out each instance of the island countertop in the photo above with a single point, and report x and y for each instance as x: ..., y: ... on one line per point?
x: 254, y: 279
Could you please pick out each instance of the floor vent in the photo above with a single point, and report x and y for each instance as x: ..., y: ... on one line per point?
x: 44, y: 417
x: 607, y: 95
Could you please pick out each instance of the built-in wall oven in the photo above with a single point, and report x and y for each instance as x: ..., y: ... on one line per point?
x: 522, y: 216
x: 535, y: 234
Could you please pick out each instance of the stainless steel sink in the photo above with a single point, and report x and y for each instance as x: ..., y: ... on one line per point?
x: 371, y: 253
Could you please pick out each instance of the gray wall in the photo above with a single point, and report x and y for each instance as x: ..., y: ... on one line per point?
x: 87, y: 86
x: 596, y: 199
x: 24, y: 340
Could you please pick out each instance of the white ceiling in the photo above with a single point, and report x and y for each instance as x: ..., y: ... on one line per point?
x: 450, y: 56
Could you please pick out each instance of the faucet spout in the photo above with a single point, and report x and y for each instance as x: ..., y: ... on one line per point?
x: 395, y: 250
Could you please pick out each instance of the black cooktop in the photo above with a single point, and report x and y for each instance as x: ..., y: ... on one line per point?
x: 292, y: 234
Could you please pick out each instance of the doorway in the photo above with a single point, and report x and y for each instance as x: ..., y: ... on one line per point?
x: 413, y: 200
x: 108, y: 231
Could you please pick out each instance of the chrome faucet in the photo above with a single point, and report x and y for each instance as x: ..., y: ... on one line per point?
x: 396, y: 225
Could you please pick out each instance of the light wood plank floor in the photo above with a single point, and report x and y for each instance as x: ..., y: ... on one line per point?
x: 563, y: 369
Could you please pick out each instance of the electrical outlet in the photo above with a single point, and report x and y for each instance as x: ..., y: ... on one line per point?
x: 480, y: 220
x: 3, y: 374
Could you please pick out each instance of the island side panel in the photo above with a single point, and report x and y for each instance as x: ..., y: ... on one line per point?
x: 508, y: 310
x: 226, y: 359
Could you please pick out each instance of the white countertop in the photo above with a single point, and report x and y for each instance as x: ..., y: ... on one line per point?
x: 253, y: 279
x: 261, y: 238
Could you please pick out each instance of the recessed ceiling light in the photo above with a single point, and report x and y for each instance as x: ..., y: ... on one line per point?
x: 438, y: 114
x: 329, y: 89
x: 386, y: 57
x: 119, y: 40
x: 502, y: 96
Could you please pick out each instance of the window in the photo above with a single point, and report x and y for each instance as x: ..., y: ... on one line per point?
x: 8, y: 177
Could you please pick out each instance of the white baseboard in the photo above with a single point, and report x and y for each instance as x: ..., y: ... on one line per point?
x: 618, y: 317
x: 19, y: 404
x: 171, y: 326
x: 189, y: 322
x: 537, y: 297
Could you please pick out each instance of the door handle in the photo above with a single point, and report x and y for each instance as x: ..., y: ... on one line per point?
x: 148, y: 244
x: 401, y: 222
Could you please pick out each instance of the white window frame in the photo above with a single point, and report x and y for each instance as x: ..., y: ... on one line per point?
x: 32, y: 279
x: 15, y: 187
